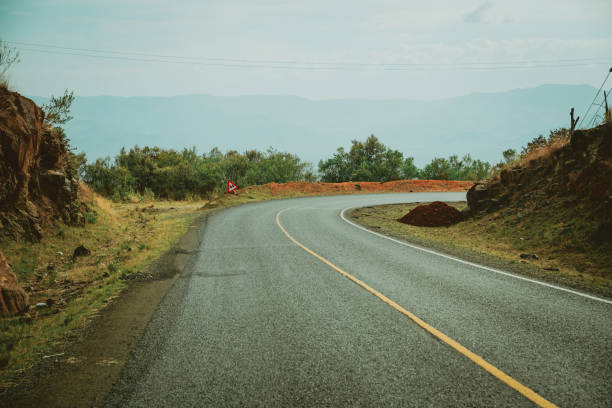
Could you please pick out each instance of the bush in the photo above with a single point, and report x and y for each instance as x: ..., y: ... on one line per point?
x: 539, y: 147
x: 368, y: 161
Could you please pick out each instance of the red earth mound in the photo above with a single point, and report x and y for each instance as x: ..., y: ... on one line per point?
x: 403, y: 186
x: 436, y: 214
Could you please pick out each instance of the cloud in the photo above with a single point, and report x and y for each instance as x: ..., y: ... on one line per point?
x: 477, y: 15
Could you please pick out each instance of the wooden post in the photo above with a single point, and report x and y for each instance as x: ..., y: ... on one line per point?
x: 573, y: 122
x: 607, y: 113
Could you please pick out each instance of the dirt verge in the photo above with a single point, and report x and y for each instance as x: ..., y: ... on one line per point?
x: 486, y: 244
x: 83, y: 372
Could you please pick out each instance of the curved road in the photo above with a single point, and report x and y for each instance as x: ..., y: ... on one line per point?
x: 256, y: 320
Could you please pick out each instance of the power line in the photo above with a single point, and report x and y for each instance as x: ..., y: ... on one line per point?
x: 373, y: 67
x: 596, y: 95
x: 597, y: 114
x: 509, y: 64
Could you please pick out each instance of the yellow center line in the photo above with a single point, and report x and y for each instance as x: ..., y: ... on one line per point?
x: 491, y: 369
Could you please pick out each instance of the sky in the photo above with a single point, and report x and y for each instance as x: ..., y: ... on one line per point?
x: 380, y: 49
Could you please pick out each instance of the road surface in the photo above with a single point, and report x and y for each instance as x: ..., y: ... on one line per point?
x: 287, y: 304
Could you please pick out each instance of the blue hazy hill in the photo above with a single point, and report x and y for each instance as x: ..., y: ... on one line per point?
x: 480, y: 124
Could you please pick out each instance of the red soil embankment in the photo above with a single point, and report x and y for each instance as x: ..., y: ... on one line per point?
x: 399, y: 186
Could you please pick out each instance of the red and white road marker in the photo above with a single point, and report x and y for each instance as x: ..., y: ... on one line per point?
x: 231, y: 186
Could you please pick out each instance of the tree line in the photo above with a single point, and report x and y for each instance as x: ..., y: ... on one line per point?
x: 178, y: 175
x: 373, y: 161
x: 167, y: 173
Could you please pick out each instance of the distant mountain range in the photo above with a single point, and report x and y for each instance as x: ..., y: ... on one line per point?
x: 480, y: 124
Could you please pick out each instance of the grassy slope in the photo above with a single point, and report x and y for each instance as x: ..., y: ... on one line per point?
x: 499, y: 238
x: 123, y: 239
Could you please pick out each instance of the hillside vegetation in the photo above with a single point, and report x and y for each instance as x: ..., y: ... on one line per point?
x: 152, y: 172
x: 373, y: 161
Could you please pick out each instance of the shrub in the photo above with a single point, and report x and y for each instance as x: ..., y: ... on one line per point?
x: 91, y: 217
x: 366, y: 161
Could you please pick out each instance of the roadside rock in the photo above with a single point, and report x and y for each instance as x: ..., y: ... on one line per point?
x: 13, y: 299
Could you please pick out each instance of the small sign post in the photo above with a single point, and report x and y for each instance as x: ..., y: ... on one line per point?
x: 231, y: 187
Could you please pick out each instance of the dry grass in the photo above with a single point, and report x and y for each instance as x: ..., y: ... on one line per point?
x: 543, y: 153
x: 539, y: 152
x: 123, y: 239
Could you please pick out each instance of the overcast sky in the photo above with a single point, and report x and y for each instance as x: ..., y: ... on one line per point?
x: 311, y: 48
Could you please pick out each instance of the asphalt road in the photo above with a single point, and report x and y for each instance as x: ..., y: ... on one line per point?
x: 256, y: 320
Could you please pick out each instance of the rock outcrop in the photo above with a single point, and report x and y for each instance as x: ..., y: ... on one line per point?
x: 579, y: 172
x: 13, y: 300
x: 37, y: 186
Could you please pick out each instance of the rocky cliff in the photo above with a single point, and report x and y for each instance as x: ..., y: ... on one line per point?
x: 37, y: 186
x: 576, y: 175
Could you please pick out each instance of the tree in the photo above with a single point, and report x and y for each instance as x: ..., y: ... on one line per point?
x: 479, y: 170
x: 57, y: 111
x: 509, y: 155
x: 77, y: 163
x: 454, y: 168
x: 409, y: 169
x: 336, y: 169
x: 8, y: 56
x: 438, y: 169
x: 366, y: 161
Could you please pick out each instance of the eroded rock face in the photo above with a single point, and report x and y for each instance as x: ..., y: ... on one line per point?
x: 13, y: 300
x: 36, y: 184
x: 580, y: 171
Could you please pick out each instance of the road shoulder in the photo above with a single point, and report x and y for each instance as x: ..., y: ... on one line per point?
x: 83, y: 373
x: 383, y: 219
